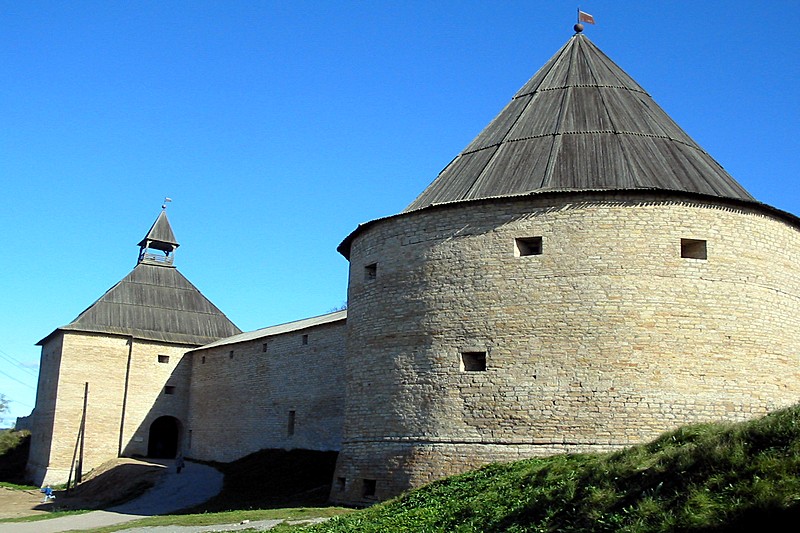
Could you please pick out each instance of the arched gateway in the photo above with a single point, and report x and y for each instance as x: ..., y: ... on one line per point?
x: 165, y: 433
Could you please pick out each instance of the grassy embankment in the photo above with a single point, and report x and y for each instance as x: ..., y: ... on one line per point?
x: 709, y: 478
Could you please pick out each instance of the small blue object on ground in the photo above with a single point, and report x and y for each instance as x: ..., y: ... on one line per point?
x: 48, y: 493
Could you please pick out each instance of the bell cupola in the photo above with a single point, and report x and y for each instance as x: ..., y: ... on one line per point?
x: 159, y: 245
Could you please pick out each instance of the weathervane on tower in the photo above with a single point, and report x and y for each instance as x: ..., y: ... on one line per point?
x: 164, y: 205
x: 583, y: 17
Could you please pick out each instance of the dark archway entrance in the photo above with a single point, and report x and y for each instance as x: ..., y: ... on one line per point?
x: 163, y: 440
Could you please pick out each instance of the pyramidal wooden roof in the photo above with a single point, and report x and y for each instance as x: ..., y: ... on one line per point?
x: 580, y: 123
x: 155, y: 302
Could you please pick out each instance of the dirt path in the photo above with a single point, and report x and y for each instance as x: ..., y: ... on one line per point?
x: 258, y: 525
x: 194, y: 485
x: 19, y: 503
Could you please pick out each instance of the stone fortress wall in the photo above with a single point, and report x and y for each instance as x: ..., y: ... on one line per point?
x: 276, y: 390
x: 159, y: 386
x: 44, y: 416
x: 127, y: 392
x: 227, y: 401
x: 467, y: 346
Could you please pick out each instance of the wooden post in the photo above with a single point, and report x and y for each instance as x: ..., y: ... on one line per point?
x: 125, y: 397
x: 77, y: 466
x: 79, y: 471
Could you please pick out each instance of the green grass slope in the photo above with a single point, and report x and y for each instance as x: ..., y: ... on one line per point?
x: 700, y: 478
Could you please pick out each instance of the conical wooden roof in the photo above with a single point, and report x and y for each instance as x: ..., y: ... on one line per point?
x: 580, y: 123
x: 155, y: 303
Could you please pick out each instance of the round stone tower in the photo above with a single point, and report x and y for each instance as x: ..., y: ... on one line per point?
x: 582, y: 277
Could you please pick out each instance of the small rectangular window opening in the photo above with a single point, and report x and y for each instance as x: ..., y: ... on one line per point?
x: 290, y: 427
x: 368, y: 488
x: 371, y: 271
x: 203, y: 360
x: 473, y: 361
x: 341, y: 483
x: 264, y: 347
x: 163, y: 359
x: 230, y: 355
x: 527, y: 246
x: 169, y: 389
x: 305, y: 340
x: 694, y: 249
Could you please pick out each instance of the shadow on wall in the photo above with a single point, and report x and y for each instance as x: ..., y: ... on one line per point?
x: 161, y: 432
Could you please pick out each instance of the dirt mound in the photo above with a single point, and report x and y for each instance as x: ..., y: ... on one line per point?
x: 114, y: 482
x: 274, y: 478
x: 111, y: 483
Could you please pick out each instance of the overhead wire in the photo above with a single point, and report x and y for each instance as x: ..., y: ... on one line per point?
x: 17, y: 362
x: 9, y: 376
x: 20, y: 403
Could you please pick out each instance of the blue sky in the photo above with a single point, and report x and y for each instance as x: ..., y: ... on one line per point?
x: 278, y: 127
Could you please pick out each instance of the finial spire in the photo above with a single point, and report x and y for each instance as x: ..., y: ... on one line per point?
x: 166, y: 200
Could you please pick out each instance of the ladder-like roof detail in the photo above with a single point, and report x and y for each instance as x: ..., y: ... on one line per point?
x: 580, y: 123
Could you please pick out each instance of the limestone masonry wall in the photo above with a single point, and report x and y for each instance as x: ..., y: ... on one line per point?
x: 70, y: 360
x: 275, y: 392
x: 94, y: 359
x: 44, y: 415
x: 608, y: 337
x: 154, y: 367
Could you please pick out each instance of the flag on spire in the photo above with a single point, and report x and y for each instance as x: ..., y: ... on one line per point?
x: 585, y: 17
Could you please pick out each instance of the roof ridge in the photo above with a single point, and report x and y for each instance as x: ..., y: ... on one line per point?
x: 152, y: 306
x: 545, y: 73
x: 589, y: 132
x: 586, y: 85
x: 555, y: 148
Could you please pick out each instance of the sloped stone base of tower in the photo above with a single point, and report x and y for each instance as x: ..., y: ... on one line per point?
x: 41, y: 475
x: 371, y: 472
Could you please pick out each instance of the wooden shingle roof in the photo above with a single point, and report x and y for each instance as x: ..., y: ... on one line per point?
x: 155, y: 303
x: 160, y: 236
x: 580, y: 123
